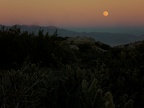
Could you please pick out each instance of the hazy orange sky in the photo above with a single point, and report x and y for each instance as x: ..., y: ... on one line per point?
x: 72, y: 13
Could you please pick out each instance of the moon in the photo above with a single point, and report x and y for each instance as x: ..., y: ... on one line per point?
x: 105, y: 13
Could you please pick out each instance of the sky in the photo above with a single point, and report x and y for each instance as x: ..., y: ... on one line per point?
x: 73, y: 13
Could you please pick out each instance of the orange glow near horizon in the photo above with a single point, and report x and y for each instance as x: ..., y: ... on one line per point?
x: 72, y: 13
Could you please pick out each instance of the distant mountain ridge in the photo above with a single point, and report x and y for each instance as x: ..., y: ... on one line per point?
x: 112, y: 39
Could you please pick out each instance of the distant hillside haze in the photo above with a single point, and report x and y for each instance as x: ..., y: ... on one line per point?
x: 123, y: 30
x: 112, y: 39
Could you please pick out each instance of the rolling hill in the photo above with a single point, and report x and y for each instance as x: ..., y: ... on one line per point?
x: 112, y: 39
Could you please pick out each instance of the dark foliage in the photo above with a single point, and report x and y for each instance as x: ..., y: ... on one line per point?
x: 42, y: 71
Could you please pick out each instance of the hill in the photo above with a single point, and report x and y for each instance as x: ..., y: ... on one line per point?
x: 112, y: 39
x: 49, y: 71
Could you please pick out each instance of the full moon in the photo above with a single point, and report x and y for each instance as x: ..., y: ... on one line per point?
x: 105, y: 13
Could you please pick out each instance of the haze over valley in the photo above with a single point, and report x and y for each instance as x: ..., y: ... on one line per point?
x: 112, y: 37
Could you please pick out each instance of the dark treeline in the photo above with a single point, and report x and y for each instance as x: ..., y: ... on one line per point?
x: 17, y: 47
x: 43, y: 71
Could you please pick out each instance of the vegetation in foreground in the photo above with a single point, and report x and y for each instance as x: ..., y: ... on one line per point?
x: 44, y: 71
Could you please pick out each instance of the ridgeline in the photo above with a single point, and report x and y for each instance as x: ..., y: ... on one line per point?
x: 48, y: 71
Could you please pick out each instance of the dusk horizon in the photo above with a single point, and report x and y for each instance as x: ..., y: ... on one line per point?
x: 73, y: 14
x: 71, y: 54
x: 135, y: 30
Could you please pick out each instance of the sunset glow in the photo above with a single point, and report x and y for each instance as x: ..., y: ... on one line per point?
x: 105, y: 13
x: 74, y: 13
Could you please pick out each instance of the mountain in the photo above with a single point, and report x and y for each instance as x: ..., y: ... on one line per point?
x: 112, y: 39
